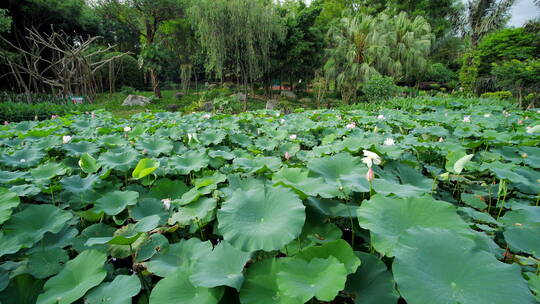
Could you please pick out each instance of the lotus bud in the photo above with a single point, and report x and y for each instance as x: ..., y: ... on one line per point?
x: 381, y: 117
x: 6, y: 123
x: 352, y: 125
x: 370, y: 175
x: 93, y: 115
x: 441, y: 139
x: 207, y: 116
x: 35, y: 117
x: 520, y: 122
x: 145, y: 151
x: 287, y: 155
x: 66, y: 139
x: 293, y: 137
x: 524, y: 155
x: 467, y: 119
x: 127, y: 129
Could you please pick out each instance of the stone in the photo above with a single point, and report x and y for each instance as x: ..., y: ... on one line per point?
x: 136, y: 100
x: 241, y: 97
x: 208, y: 106
x: 179, y: 95
x: 272, y: 104
x: 289, y: 95
x: 172, y: 107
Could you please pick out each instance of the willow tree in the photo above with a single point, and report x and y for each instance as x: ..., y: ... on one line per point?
x: 237, y: 36
x: 362, y: 46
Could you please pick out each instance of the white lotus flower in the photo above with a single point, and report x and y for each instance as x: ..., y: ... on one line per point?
x: 66, y: 139
x: 287, y: 155
x: 371, y: 158
x: 23, y: 160
x: 166, y: 203
x: 352, y: 125
x: 127, y: 129
x: 467, y: 119
x: 207, y: 116
x: 282, y: 120
x: 487, y: 115
x: 381, y: 117
x: 293, y: 137
x: 389, y: 142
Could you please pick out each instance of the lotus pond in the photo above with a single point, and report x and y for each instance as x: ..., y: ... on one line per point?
x: 264, y: 208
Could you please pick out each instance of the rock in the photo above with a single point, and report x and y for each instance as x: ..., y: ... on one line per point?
x: 179, y: 95
x: 136, y: 100
x: 272, y: 104
x: 172, y: 107
x: 241, y: 97
x: 208, y: 106
x: 289, y: 95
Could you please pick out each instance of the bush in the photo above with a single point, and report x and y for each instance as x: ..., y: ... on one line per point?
x: 520, y: 77
x: 16, y: 111
x: 502, y: 95
x: 438, y: 72
x: 128, y: 90
x: 380, y: 89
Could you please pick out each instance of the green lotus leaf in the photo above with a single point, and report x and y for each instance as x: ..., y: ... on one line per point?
x: 76, y: 278
x: 78, y: 185
x: 190, y: 161
x: 343, y: 171
x: 45, y: 263
x: 221, y: 154
x: 193, y: 212
x: 387, y: 218
x: 22, y: 289
x: 176, y: 288
x: 93, y: 231
x: 260, y: 285
x: 27, y: 227
x: 61, y: 239
x: 475, y: 201
x: 88, y: 164
x: 8, y: 201
x: 119, y: 291
x: 77, y: 149
x: 332, y: 208
x: 222, y: 267
x: 114, y: 141
x: 534, y: 284
x: 157, y: 242
x: 262, y: 218
x: 26, y: 190
x: 155, y: 146
x: 122, y: 161
x: 460, y: 163
x: 338, y: 249
x: 147, y: 207
x: 257, y: 164
x: 115, y: 202
x: 453, y: 270
x: 320, y: 278
x: 145, y: 167
x: 451, y: 159
x: 403, y: 181
x: 212, y: 137
x: 48, y: 171
x: 127, y: 235
x: 166, y: 188
x: 530, y: 156
x: 372, y: 283
x: 298, y: 180
x: 7, y: 177
x: 179, y: 256
x: 26, y: 158
x: 522, y: 229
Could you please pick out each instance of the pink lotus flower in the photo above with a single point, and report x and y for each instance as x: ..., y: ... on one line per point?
x: 467, y: 119
x: 93, y: 115
x: 6, y: 123
x: 293, y: 137
x: 207, y: 116
x: 352, y: 125
x: 520, y: 122
x: 381, y: 117
x: 144, y: 151
x: 389, y: 142
x: 370, y: 175
x: 287, y: 155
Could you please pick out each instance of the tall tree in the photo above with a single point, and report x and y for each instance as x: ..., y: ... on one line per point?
x: 237, y: 36
x: 363, y: 46
x: 145, y: 17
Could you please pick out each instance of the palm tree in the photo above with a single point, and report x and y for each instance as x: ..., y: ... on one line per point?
x: 484, y: 17
x: 363, y: 46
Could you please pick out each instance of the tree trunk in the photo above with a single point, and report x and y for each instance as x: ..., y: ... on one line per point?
x: 155, y: 83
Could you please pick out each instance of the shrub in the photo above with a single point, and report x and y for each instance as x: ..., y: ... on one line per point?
x: 127, y: 90
x: 379, y: 89
x: 438, y: 72
x: 16, y: 111
x: 520, y: 77
x: 502, y: 95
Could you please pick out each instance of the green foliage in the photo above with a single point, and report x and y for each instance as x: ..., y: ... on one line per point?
x: 438, y: 72
x: 520, y: 77
x: 126, y: 72
x: 504, y: 95
x: 469, y: 72
x: 5, y: 21
x: 16, y: 111
x: 507, y: 44
x: 380, y: 89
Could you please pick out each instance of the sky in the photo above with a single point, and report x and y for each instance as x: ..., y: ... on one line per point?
x: 522, y: 11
